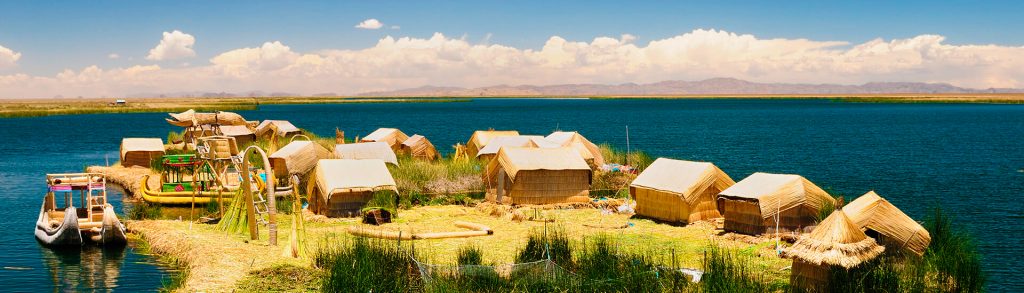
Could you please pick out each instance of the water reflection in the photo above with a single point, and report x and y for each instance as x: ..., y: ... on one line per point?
x: 83, y: 269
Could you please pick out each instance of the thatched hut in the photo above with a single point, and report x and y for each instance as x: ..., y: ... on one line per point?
x: 575, y: 140
x: 537, y: 176
x: 366, y: 150
x: 753, y: 204
x: 480, y: 138
x: 392, y: 136
x: 242, y: 134
x: 524, y: 141
x: 836, y: 244
x: 297, y: 158
x: 140, y: 151
x: 191, y: 118
x: 420, y: 148
x: 341, y: 188
x: 679, y: 191
x: 281, y: 127
x: 883, y: 221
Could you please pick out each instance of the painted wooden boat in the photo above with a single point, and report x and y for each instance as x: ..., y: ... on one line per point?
x: 63, y: 224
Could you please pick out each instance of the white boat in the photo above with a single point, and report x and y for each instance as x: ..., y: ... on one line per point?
x: 60, y: 223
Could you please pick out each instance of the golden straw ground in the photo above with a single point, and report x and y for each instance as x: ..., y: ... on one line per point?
x: 218, y: 261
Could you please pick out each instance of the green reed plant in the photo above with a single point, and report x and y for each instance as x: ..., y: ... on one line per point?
x: 361, y: 265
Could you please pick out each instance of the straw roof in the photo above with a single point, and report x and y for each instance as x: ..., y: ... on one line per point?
x: 419, y: 146
x: 871, y: 211
x: 573, y: 139
x: 836, y: 241
x: 778, y: 192
x: 514, y: 159
x: 283, y: 127
x: 480, y: 138
x: 341, y: 175
x: 366, y: 150
x: 393, y: 137
x: 191, y: 118
x: 684, y: 178
x: 298, y: 157
x: 531, y: 141
x: 235, y: 130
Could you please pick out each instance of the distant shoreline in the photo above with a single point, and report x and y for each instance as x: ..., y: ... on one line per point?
x: 13, y: 108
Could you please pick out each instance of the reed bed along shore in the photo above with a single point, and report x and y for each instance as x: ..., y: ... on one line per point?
x: 12, y: 108
x: 47, y: 107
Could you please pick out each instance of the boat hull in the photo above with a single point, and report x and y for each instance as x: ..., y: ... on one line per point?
x: 65, y: 233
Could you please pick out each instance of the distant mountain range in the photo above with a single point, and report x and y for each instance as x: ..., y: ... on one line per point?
x: 713, y: 86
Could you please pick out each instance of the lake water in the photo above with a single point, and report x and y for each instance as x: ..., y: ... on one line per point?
x: 967, y: 158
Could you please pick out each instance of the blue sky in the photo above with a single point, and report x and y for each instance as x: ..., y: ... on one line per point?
x: 58, y: 35
x: 306, y: 42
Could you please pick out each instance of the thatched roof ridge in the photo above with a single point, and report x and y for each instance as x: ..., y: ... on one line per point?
x: 681, y: 177
x: 871, y: 211
x: 836, y: 241
x: 587, y: 149
x: 514, y: 159
x: 534, y: 141
x: 298, y: 157
x: 366, y: 150
x: 342, y: 175
x: 776, y: 193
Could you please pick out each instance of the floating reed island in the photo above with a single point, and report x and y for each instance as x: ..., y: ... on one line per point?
x: 505, y: 211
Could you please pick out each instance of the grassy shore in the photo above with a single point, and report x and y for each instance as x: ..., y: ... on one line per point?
x: 46, y: 107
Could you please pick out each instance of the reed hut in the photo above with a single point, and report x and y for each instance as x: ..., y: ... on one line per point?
x: 752, y: 205
x: 679, y: 191
x: 140, y: 151
x: 528, y: 141
x: 420, y: 148
x: 191, y: 118
x: 392, y: 136
x: 889, y: 225
x: 835, y: 244
x: 480, y: 138
x: 537, y: 176
x: 366, y: 150
x: 297, y: 158
x: 340, y: 187
x: 575, y: 140
x: 242, y: 134
x: 281, y: 127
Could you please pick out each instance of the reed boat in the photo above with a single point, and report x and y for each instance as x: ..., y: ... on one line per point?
x: 186, y: 180
x: 60, y: 223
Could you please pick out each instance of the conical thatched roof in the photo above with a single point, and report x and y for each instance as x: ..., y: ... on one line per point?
x: 871, y: 211
x: 836, y: 241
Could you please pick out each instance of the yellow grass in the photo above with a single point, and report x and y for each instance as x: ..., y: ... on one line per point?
x: 218, y: 261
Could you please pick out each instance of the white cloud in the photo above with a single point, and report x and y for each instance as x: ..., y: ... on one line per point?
x: 395, y: 27
x: 8, y: 58
x: 113, y: 56
x: 174, y: 45
x: 402, y: 62
x: 370, y: 24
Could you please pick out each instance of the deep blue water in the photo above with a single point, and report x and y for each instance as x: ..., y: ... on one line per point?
x: 967, y: 158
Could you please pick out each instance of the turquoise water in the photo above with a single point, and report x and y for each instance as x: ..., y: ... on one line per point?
x: 967, y: 158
